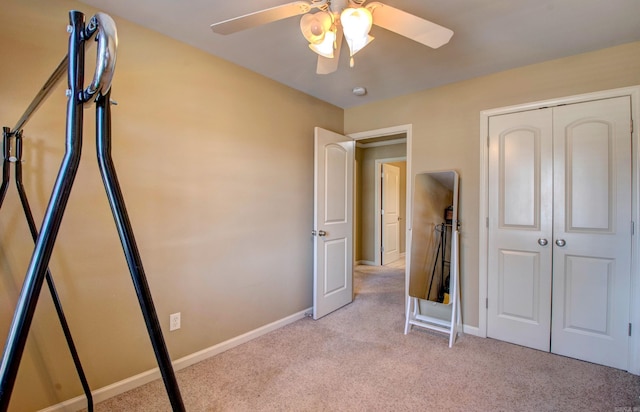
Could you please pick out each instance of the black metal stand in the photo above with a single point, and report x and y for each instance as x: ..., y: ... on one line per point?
x: 38, y: 267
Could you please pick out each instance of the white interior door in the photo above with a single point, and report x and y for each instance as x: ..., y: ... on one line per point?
x: 390, y: 213
x: 592, y: 231
x: 520, y: 222
x: 333, y: 222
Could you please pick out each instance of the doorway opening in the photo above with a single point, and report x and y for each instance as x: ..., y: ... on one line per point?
x: 335, y: 230
x: 382, y: 138
x: 380, y: 200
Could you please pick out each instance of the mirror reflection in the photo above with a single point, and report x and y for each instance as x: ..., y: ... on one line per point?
x: 435, y: 211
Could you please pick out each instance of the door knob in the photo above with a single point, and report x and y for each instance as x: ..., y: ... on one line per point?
x: 560, y: 242
x: 322, y: 233
x: 543, y: 242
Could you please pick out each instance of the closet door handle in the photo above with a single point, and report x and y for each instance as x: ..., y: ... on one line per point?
x: 543, y: 242
x: 561, y: 242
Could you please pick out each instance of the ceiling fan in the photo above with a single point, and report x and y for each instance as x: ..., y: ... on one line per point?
x: 325, y: 28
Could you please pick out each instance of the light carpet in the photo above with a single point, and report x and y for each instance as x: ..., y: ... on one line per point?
x: 358, y: 359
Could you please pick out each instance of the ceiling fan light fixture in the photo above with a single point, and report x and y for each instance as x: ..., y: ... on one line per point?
x: 326, y: 47
x: 314, y: 27
x: 324, y: 28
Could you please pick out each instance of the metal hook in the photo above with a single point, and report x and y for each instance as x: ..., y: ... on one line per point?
x: 107, y: 39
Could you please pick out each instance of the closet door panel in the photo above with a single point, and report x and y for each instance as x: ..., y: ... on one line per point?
x: 592, y: 237
x: 587, y: 297
x: 519, y: 178
x: 519, y: 271
x: 590, y: 176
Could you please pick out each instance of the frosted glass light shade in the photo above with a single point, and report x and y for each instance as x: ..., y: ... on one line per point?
x: 356, y: 23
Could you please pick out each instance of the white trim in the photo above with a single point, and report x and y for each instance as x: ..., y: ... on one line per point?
x: 366, y: 262
x: 377, y: 227
x: 634, y: 93
x: 634, y: 318
x: 382, y: 143
x: 407, y: 129
x: 386, y: 131
x: 143, y: 378
x: 470, y: 330
x: 483, y: 232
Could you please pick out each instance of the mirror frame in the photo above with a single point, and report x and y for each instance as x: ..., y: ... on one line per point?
x: 455, y: 223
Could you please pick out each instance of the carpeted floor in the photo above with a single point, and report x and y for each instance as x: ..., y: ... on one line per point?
x: 358, y: 359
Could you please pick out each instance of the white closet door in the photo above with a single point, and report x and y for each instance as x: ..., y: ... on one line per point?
x: 592, y: 231
x: 520, y: 228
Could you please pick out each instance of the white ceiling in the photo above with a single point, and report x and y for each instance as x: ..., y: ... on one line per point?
x: 489, y: 36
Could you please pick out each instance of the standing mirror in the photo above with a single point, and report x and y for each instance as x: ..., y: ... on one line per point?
x: 433, y: 300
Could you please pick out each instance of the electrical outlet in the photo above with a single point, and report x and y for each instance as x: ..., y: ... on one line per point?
x: 174, y: 321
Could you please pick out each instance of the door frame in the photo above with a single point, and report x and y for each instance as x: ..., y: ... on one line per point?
x: 377, y: 241
x: 634, y: 93
x: 389, y: 131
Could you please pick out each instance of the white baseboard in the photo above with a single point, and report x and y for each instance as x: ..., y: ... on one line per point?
x: 140, y: 379
x: 471, y: 330
x: 373, y: 263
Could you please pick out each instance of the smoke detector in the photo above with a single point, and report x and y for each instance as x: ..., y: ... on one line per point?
x: 359, y: 91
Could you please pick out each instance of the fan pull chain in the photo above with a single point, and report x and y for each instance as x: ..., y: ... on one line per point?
x: 351, y: 62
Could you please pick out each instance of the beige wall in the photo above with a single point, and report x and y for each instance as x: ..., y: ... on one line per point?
x: 365, y: 197
x: 215, y: 163
x: 446, y: 127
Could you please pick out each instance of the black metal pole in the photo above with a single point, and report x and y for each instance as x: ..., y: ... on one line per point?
x: 52, y: 287
x: 36, y: 271
x: 435, y: 265
x: 6, y: 145
x: 116, y: 201
x: 443, y: 237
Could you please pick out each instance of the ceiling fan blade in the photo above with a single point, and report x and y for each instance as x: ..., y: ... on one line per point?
x: 326, y: 65
x: 408, y: 25
x: 261, y: 17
